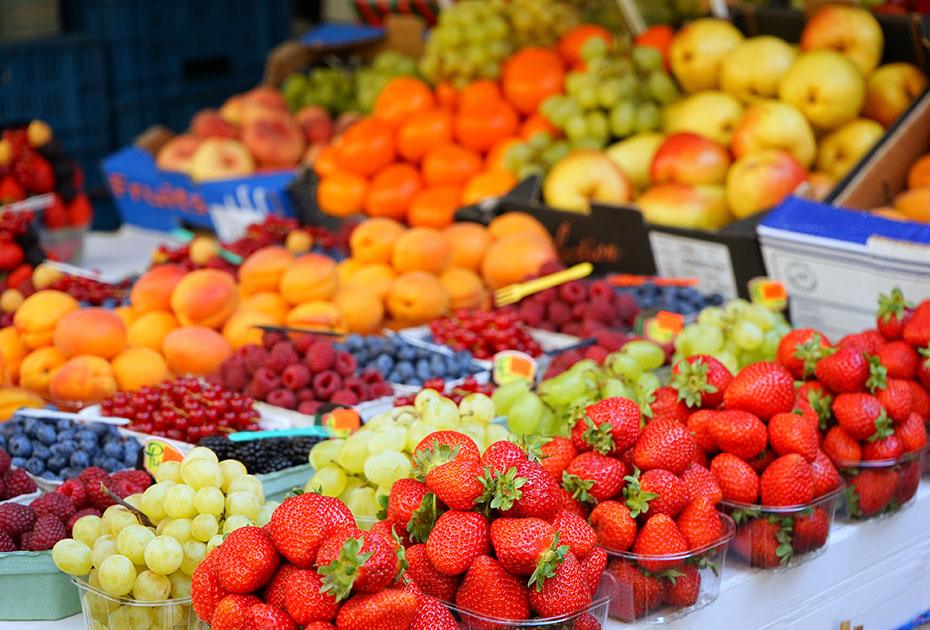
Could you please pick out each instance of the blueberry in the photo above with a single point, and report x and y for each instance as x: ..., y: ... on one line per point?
x: 46, y: 435
x: 715, y: 299
x: 30, y: 425
x: 423, y: 353
x: 383, y: 363
x: 463, y: 355
x: 98, y: 458
x: 79, y: 460
x: 68, y: 447
x: 41, y: 451
x: 20, y: 446
x: 392, y: 345
x: 84, y: 434
x: 18, y: 462
x: 404, y: 371
x: 406, y: 353
x: 64, y: 425
x: 8, y: 428
x: 55, y: 463
x: 453, y: 369
x: 415, y: 382
x: 376, y: 345
x: 129, y: 459
x: 355, y: 342
x: 393, y: 377
x: 2, y: 441
x: 68, y: 473
x: 437, y: 365
x: 98, y: 428
x: 339, y: 347
x: 423, y: 370
x: 113, y: 449
x: 35, y: 466
x: 112, y: 429
x: 48, y: 474
x: 65, y: 435
x: 362, y: 357
x: 111, y: 465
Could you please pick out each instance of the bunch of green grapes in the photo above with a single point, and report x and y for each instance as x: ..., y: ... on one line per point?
x: 607, y: 13
x: 618, y: 94
x: 329, y: 87
x: 469, y: 41
x: 193, y: 504
x: 370, y: 80
x: 736, y: 334
x: 363, y: 466
x: 535, y: 156
x: 541, y: 22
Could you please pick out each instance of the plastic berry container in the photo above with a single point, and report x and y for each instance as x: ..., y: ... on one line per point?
x: 102, y: 610
x: 648, y: 598
x: 600, y: 604
x: 767, y: 537
x: 880, y: 488
x: 34, y: 588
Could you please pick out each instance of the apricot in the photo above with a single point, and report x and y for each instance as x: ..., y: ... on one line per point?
x: 149, y: 330
x: 127, y: 314
x: 195, y: 350
x: 139, y: 367
x: 240, y: 330
x: 511, y: 259
x: 317, y: 315
x: 262, y: 270
x: 469, y: 242
x: 36, y: 318
x: 346, y: 269
x: 269, y: 303
x: 14, y: 398
x: 94, y: 331
x: 38, y: 367
x: 416, y: 298
x: 152, y: 291
x: 914, y: 204
x: 310, y: 277
x: 423, y: 249
x: 376, y: 277
x: 373, y: 240
x: 12, y: 350
x: 516, y: 223
x: 84, y: 378
x: 362, y: 308
x: 206, y: 297
x: 6, y: 378
x: 465, y: 288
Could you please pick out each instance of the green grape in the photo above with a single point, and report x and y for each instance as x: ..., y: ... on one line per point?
x: 131, y: 542
x: 706, y: 339
x: 179, y: 502
x: 418, y: 430
x: 729, y: 360
x: 442, y: 413
x: 646, y: 58
x: 505, y: 395
x: 760, y: 316
x: 204, y: 527
x: 574, y: 82
x: 525, y: 414
x: 232, y: 470
x: 555, y: 152
x: 330, y: 481
x: 649, y: 355
x: 209, y: 500
x: 495, y: 432
x: 117, y: 575
x: 770, y: 343
x: 103, y: 548
x: 202, y: 473
x: 194, y: 553
x: 242, y: 503
x: 216, y: 541
x: 515, y: 157
x: 151, y: 587
x: 623, y: 119
x: 609, y: 92
x: 711, y: 316
x: 647, y: 383
x: 734, y: 309
x: 168, y: 471
x: 386, y: 467
x: 747, y: 335
x: 88, y: 529
x: 576, y: 128
x: 662, y: 87
x: 593, y: 48
x: 529, y: 170
x: 477, y: 407
x: 180, y: 585
x: 117, y: 517
x: 72, y: 556
x: 560, y: 390
x: 598, y: 125
x: 587, y: 97
x: 474, y: 430
x: 325, y: 453
x: 623, y: 365
x: 293, y: 90
x: 587, y: 143
x: 388, y: 438
x: 362, y: 503
x: 648, y: 117
x: 613, y: 387
x: 235, y: 522
x: 200, y: 452
x: 163, y: 555
x: 251, y: 484
x: 354, y: 451
x: 539, y: 141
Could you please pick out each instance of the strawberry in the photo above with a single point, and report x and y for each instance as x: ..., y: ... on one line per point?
x: 267, y: 617
x: 699, y: 523
x: 431, y: 614
x: 636, y: 592
x: 571, y: 504
x: 556, y: 455
x: 842, y: 447
x: 896, y: 399
x: 304, y: 600
x: 739, y: 432
x: 700, y: 381
x: 920, y: 397
x: 527, y: 490
x: 800, y: 350
x: 411, y: 509
x: 917, y: 330
x: 762, y: 542
x: 923, y: 367
x: 527, y: 546
x: 787, y: 481
x: 425, y: 575
x: 867, y: 341
x: 247, y: 560
x: 592, y: 477
x: 593, y: 565
x: 810, y: 529
x: 763, y: 388
x: 861, y: 416
x: 206, y: 591
x: 699, y: 425
x: 794, y: 433
x: 664, y: 443
x: 490, y: 591
x: 684, y: 588
x: 893, y: 313
x: 912, y: 433
x: 456, y: 540
x: 659, y: 536
x: 663, y: 403
x: 564, y: 593
x: 441, y: 447
x: 586, y: 622
x: 701, y: 483
x: 232, y: 613
x: 737, y: 480
x: 355, y: 560
x: 845, y: 370
x: 670, y: 494
x: 870, y: 491
x: 35, y: 174
x: 456, y: 483
x: 614, y: 525
x: 11, y: 190
x: 826, y: 476
x: 301, y: 523
x: 908, y: 480
x: 888, y: 447
x: 574, y: 531
x: 761, y: 461
x: 501, y: 457
x: 11, y: 254
x: 811, y: 397
x: 80, y: 212
x: 386, y: 610
x: 275, y: 592
x: 609, y: 427
x: 900, y: 359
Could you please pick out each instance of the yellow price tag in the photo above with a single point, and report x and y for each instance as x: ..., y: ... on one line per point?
x: 513, y: 365
x: 157, y: 451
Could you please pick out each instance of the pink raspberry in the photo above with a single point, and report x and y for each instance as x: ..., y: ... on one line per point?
x: 550, y: 266
x: 48, y: 530
x: 80, y: 514
x: 559, y: 313
x: 532, y: 313
x: 321, y: 356
x: 283, y: 398
x: 371, y: 376
x: 306, y: 394
x: 270, y: 338
x: 74, y: 490
x: 16, y: 482
x: 325, y: 384
x: 296, y: 376
x: 282, y: 355
x: 595, y: 353
x: 345, y: 363
x: 264, y: 381
x: 309, y: 407
x: 55, y: 504
x: 235, y: 375
x: 16, y: 519
x: 253, y: 357
x: 5, y: 460
x: 355, y: 385
x: 573, y: 291
x: 344, y: 397
x: 381, y: 389
x: 303, y: 343
x: 611, y: 340
x: 601, y: 288
x: 572, y: 328
x: 6, y: 543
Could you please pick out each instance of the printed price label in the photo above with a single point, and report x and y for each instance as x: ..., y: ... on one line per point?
x: 156, y: 452
x: 664, y: 327
x: 768, y: 293
x: 513, y: 365
x: 342, y: 422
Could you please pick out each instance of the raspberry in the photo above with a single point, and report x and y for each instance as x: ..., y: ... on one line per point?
x: 4, y: 462
x: 271, y: 338
x: 282, y: 355
x: 93, y: 475
x: 81, y: 514
x: 546, y: 296
x: 253, y: 357
x: 309, y: 407
x: 596, y: 353
x: 572, y: 328
x: 579, y: 310
x: 263, y: 382
x: 283, y: 398
x: 74, y: 490
x: 344, y: 397
x: 355, y: 385
x: 626, y: 307
x: 139, y: 479
x: 303, y: 343
x: 611, y: 340
x: 588, y: 328
x: 235, y: 376
x: 320, y: 356
x: 121, y: 488
x: 573, y: 291
x: 305, y: 394
x: 532, y: 313
x: 600, y: 310
x: 98, y: 498
x: 17, y: 482
x: 48, y: 530
x: 381, y: 389
x: 325, y: 384
x: 16, y: 519
x: 345, y: 363
x: 550, y: 266
x: 6, y: 543
x: 55, y: 504
x: 296, y: 377
x: 24, y: 541
x: 559, y: 313
x: 371, y: 376
x: 601, y: 289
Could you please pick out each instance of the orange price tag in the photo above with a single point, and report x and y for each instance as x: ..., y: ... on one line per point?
x: 673, y: 322
x: 156, y: 452
x: 768, y: 293
x: 342, y: 422
x: 513, y: 365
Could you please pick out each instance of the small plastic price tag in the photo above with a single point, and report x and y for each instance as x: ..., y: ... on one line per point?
x: 157, y: 451
x: 664, y: 327
x: 513, y: 365
x: 768, y: 293
x: 342, y: 422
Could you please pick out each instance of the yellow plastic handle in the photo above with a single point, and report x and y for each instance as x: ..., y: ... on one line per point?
x: 580, y: 270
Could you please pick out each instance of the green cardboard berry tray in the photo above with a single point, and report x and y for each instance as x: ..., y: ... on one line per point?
x: 34, y: 589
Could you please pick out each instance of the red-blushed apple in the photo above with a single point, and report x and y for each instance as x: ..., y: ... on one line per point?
x: 634, y: 156
x: 685, y: 206
x: 583, y: 176
x: 826, y: 86
x: 890, y: 89
x: 849, y: 30
x: 844, y: 147
x: 221, y: 158
x: 316, y: 123
x: 231, y: 109
x: 752, y: 70
x: 711, y: 114
x: 775, y: 125
x: 687, y: 158
x: 697, y: 50
x: 207, y: 123
x: 176, y: 154
x: 762, y: 179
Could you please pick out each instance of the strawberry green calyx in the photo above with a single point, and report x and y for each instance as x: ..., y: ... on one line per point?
x: 578, y: 487
x: 531, y: 445
x: 811, y: 352
x: 704, y: 562
x: 401, y: 556
x: 645, y: 400
x: 878, y: 374
x: 691, y: 382
x: 428, y: 459
x: 822, y: 404
x: 637, y: 499
x: 892, y: 305
x: 549, y: 561
x: 883, y: 427
x: 784, y: 536
x: 852, y: 501
x: 423, y: 519
x: 340, y: 574
x: 925, y: 352
x: 383, y: 502
x: 599, y: 436
x: 500, y: 492
x: 743, y: 515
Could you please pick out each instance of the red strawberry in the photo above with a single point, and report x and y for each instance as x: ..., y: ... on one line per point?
x: 665, y: 443
x: 304, y: 600
x: 556, y: 455
x: 760, y: 462
x: 431, y: 614
x: 908, y: 480
x: 527, y: 490
x: 917, y: 330
x: 10, y: 190
x: 811, y: 397
x: 575, y: 532
x: 573, y: 505
x: 700, y: 381
x: 787, y: 481
x: 867, y: 341
x: 699, y: 523
x: 594, y: 564
x: 737, y: 480
x: 275, y: 592
x: 35, y: 174
x: 845, y: 370
x: 896, y: 399
x: 301, y: 523
x: 609, y: 427
x: 699, y: 425
x: 842, y: 447
x: 900, y: 359
x: 441, y: 447
x: 763, y: 388
x: 80, y: 212
x: 800, y: 350
x: 923, y: 368
x: 739, y: 432
x: 893, y: 313
x: 232, y: 613
x: 701, y: 483
x: 457, y: 483
x: 247, y: 560
x: 564, y: 593
x: 411, y: 509
x: 11, y: 254
x: 664, y: 404
x: 592, y: 477
x: 425, y: 575
x: 636, y: 592
x: 810, y: 529
x: 760, y: 542
x: 56, y: 215
x: 870, y: 491
x: 354, y: 560
x: 912, y: 433
x: 886, y: 448
x: 659, y: 536
x: 527, y: 546
x: 386, y: 610
x: 861, y: 416
x: 920, y: 397
x: 267, y: 617
x: 670, y: 494
x: 501, y: 457
x: 684, y: 588
x: 206, y: 591
x: 826, y: 476
x: 456, y: 540
x: 794, y: 433
x: 489, y: 590
x: 614, y: 525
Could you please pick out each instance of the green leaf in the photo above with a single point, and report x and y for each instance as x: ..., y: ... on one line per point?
x: 339, y: 575
x: 578, y: 487
x: 383, y: 501
x: 600, y: 436
x: 502, y: 491
x: 423, y: 519
x: 637, y: 499
x: 883, y: 427
x: 548, y: 563
x: 878, y: 374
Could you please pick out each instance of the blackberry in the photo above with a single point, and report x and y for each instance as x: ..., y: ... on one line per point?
x: 278, y: 463
x: 219, y: 444
x: 300, y: 448
x: 34, y: 256
x: 251, y: 454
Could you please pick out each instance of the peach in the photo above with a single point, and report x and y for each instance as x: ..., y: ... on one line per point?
x: 84, y: 378
x: 274, y: 139
x: 423, y: 249
x: 221, y: 158
x: 262, y: 270
x: 5, y: 377
x: 376, y: 277
x: 267, y: 96
x: 516, y: 223
x: 346, y: 269
x: 317, y: 315
x: 469, y: 242
x: 362, y: 308
x: 176, y: 154
x: 36, y: 318
x: 152, y: 291
x: 231, y: 110
x: 37, y: 368
x: 127, y: 314
x: 687, y: 158
x: 12, y: 350
x: 268, y: 302
x: 373, y: 240
x: 914, y: 204
x: 416, y: 298
x: 240, y: 330
x: 139, y: 367
x: 316, y: 124
x: 93, y: 331
x: 205, y: 297
x: 465, y: 288
x: 761, y: 180
x: 512, y: 258
x: 310, y: 277
x: 821, y: 184
x: 149, y: 330
x: 195, y: 350
x: 207, y: 123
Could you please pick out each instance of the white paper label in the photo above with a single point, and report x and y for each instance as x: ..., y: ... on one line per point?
x: 231, y: 218
x: 679, y: 256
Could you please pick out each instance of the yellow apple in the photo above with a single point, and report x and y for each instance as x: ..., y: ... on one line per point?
x: 843, y: 148
x: 685, y: 206
x: 775, y: 125
x: 890, y: 89
x: 582, y: 176
x: 849, y: 30
x: 634, y: 156
x: 820, y: 184
x: 687, y: 158
x: 697, y: 49
x: 762, y: 179
x: 712, y: 114
x: 826, y: 86
x: 752, y: 70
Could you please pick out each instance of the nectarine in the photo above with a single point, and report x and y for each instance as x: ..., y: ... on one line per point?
x: 149, y: 330
x: 376, y: 277
x: 361, y: 307
x: 317, y: 315
x: 240, y: 330
x: 512, y: 258
x: 469, y: 242
x: 205, y: 297
x: 465, y: 287
x: 262, y: 270
x: 83, y: 379
x: 373, y: 240
x: 152, y: 291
